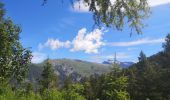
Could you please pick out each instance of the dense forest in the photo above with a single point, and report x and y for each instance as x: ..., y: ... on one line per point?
x: 148, y: 79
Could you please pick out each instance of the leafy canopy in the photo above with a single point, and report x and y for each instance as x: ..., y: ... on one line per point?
x: 14, y: 59
x: 118, y: 13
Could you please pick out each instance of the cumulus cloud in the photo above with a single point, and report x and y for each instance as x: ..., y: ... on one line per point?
x: 55, y: 44
x: 89, y: 42
x: 137, y: 42
x: 81, y: 6
x: 38, y: 57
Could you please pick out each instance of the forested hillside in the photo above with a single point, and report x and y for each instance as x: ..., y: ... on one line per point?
x: 149, y: 78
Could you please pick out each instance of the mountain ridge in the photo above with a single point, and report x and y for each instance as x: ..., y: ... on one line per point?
x: 77, y: 69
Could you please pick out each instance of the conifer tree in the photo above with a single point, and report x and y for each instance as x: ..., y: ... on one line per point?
x: 166, y: 45
x: 115, y: 85
x: 143, y: 79
x: 67, y: 82
x: 165, y: 70
x: 48, y: 80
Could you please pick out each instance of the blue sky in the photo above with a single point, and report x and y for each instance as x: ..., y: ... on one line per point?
x: 57, y: 30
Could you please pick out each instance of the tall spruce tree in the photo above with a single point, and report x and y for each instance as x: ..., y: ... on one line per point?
x: 67, y: 82
x: 115, y: 85
x: 109, y: 86
x: 48, y: 80
x: 165, y: 70
x: 166, y: 45
x: 142, y: 84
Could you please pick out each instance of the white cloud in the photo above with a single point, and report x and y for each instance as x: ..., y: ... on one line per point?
x: 137, y: 42
x: 80, y: 6
x: 88, y: 42
x: 84, y: 41
x: 153, y: 3
x: 38, y: 57
x: 55, y: 44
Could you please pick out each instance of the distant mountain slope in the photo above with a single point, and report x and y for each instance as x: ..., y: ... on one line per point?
x: 126, y: 64
x: 82, y: 67
x: 77, y: 69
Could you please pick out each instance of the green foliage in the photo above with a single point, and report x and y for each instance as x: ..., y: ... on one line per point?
x: 119, y: 13
x: 115, y: 88
x: 2, y: 11
x: 111, y: 86
x: 67, y: 82
x: 115, y: 85
x: 114, y: 14
x: 52, y: 95
x: 74, y: 92
x: 14, y: 59
x: 148, y: 79
x: 28, y: 88
x: 166, y: 45
x: 142, y: 57
x: 88, y: 91
x: 141, y: 80
x: 48, y: 80
x: 6, y: 93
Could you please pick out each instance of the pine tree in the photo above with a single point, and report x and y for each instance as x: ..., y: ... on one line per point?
x: 109, y: 86
x: 142, y: 80
x: 165, y: 70
x: 142, y: 57
x: 143, y: 62
x: 166, y: 45
x: 115, y: 85
x: 48, y: 80
x: 67, y: 82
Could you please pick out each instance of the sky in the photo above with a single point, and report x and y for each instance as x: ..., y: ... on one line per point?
x: 57, y: 30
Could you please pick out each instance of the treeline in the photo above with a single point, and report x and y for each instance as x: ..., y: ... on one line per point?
x: 149, y: 79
